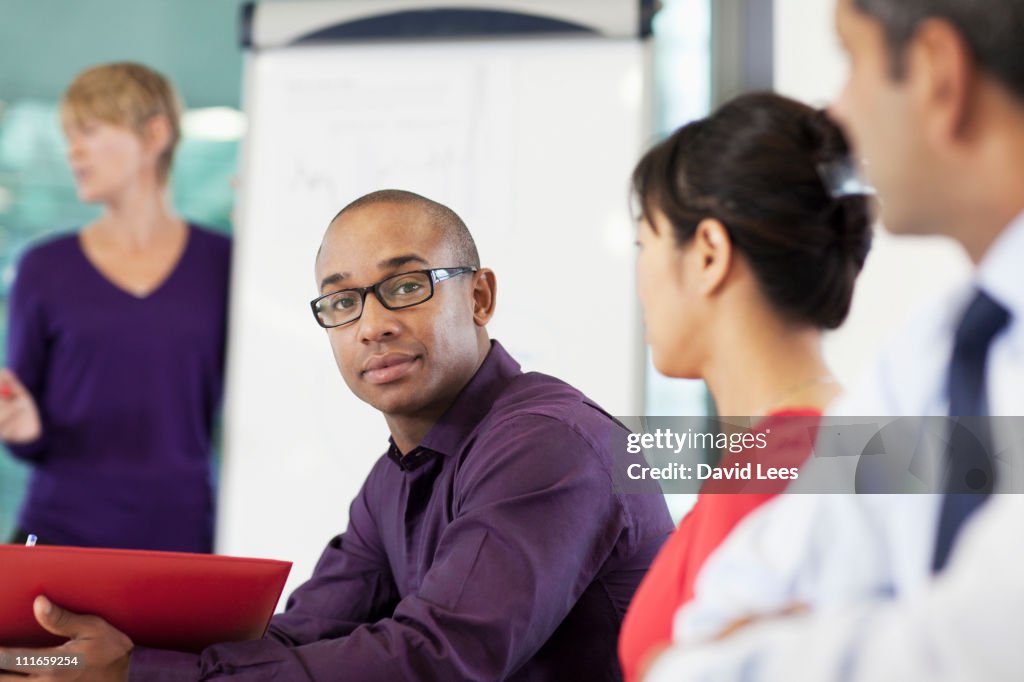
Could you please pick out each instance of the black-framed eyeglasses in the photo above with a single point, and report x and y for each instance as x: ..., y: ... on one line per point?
x: 399, y: 291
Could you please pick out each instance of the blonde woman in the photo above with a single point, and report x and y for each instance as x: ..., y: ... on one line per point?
x: 116, y: 337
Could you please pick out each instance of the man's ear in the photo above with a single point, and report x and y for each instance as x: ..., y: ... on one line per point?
x: 943, y: 73
x: 712, y: 253
x: 485, y: 290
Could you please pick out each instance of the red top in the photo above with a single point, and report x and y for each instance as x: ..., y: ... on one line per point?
x: 670, y: 580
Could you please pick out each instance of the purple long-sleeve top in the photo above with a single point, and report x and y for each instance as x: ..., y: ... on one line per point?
x: 127, y: 389
x: 499, y: 549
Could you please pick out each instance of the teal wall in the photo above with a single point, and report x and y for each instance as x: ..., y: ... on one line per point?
x: 44, y: 43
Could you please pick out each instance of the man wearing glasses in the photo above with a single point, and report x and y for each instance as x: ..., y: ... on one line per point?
x: 489, y: 542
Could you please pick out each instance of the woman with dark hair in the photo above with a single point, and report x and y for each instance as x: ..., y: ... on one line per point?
x: 750, y: 243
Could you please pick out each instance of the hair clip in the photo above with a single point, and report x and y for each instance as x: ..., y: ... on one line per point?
x: 843, y: 178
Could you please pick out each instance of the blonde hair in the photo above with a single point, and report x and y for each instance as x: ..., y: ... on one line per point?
x: 125, y: 94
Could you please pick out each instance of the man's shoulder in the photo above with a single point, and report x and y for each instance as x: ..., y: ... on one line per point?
x: 541, y: 430
x: 541, y: 398
x: 905, y: 376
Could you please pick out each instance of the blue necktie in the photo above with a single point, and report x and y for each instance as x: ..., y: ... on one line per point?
x: 971, y: 473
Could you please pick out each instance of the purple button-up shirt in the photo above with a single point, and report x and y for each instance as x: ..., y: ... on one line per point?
x: 499, y: 549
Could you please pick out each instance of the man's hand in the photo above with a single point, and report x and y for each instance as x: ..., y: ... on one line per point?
x: 19, y: 416
x: 102, y: 649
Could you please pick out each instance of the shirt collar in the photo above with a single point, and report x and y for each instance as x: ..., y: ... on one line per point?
x: 471, y: 405
x: 413, y: 459
x: 998, y: 272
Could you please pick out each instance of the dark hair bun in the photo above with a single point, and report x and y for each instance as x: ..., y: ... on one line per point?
x: 755, y: 164
x: 849, y: 213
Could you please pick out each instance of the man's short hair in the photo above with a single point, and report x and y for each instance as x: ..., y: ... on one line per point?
x: 992, y: 30
x: 452, y: 228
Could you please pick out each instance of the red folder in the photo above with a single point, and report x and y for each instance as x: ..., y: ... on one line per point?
x: 166, y: 600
